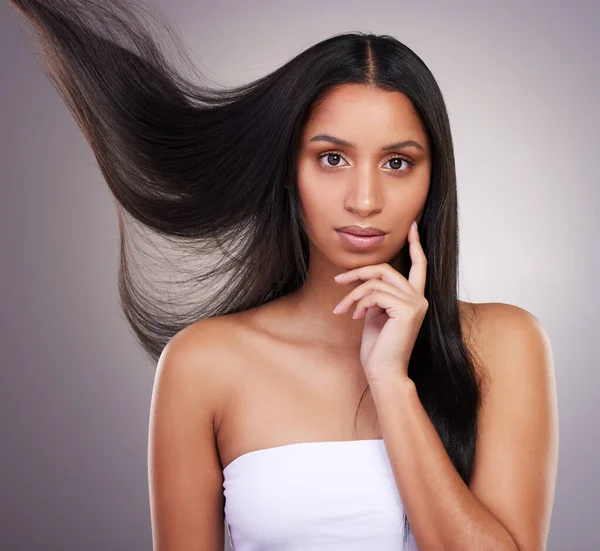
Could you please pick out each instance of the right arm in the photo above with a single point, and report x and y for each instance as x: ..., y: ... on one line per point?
x: 184, y: 469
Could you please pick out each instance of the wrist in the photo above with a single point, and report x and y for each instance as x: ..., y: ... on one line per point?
x: 393, y: 384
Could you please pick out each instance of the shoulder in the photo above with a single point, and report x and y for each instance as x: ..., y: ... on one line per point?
x: 495, y: 324
x: 198, y: 361
x: 504, y: 327
x: 510, y: 343
x: 201, y: 346
x: 184, y: 465
x: 517, y: 361
x: 517, y: 440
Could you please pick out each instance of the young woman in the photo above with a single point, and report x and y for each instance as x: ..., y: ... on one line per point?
x: 372, y: 410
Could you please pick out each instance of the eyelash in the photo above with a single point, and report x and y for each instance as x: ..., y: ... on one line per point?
x: 410, y: 163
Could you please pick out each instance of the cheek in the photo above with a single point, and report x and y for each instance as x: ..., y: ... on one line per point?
x: 316, y: 198
x: 313, y: 207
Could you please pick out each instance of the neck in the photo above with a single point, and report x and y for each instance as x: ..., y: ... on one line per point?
x: 311, y: 306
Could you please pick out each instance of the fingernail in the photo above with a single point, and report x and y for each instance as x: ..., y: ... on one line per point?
x: 339, y: 275
x: 414, y: 224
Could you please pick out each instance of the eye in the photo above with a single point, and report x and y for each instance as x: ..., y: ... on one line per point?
x: 329, y: 154
x: 398, y: 160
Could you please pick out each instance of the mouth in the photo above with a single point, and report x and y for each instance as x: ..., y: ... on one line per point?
x: 361, y: 231
x: 357, y: 241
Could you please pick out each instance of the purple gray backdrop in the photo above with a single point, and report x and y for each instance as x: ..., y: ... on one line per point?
x: 522, y: 85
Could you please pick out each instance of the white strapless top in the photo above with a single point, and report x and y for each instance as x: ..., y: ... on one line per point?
x: 314, y: 496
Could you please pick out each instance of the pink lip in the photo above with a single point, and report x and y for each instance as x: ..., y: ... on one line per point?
x: 361, y: 241
x: 359, y: 230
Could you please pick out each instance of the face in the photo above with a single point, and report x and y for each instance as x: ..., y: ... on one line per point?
x: 360, y: 181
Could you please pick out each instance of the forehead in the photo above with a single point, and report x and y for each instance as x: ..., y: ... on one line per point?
x: 355, y: 109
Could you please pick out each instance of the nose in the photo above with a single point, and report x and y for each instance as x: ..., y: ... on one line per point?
x: 364, y: 196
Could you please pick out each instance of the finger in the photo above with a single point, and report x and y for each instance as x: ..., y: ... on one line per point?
x: 417, y: 275
x: 363, y: 290
x: 392, y: 304
x: 383, y: 272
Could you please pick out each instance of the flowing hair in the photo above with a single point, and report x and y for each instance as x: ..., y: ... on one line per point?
x: 212, y: 170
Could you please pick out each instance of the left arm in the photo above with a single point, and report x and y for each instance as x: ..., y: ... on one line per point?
x: 509, y: 501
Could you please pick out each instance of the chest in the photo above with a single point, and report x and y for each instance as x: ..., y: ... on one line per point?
x: 282, y: 394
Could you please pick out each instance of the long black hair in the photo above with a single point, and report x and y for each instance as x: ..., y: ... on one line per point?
x: 212, y: 170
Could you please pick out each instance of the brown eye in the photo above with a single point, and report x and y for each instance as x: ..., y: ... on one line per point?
x: 333, y: 157
x: 398, y: 163
x: 336, y: 158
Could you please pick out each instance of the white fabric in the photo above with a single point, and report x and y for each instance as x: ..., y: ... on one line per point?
x: 314, y: 496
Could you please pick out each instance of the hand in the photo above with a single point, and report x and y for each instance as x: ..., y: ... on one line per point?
x: 394, y: 309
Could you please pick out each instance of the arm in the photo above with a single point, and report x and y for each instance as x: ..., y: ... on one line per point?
x: 185, y: 476
x: 509, y: 502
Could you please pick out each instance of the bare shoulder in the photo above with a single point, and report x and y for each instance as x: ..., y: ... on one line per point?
x: 490, y: 327
x: 500, y: 325
x: 204, y: 356
x: 206, y: 339
x: 510, y: 348
x: 185, y: 475
x: 517, y: 442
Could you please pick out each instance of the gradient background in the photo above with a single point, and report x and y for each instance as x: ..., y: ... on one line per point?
x: 521, y: 81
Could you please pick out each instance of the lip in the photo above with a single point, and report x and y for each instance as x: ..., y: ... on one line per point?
x: 361, y: 241
x: 360, y: 230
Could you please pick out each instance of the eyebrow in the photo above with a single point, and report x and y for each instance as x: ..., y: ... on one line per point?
x: 344, y: 143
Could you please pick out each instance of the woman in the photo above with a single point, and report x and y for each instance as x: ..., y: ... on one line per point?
x: 317, y: 169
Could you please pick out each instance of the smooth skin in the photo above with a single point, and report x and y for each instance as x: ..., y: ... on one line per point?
x: 290, y: 371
